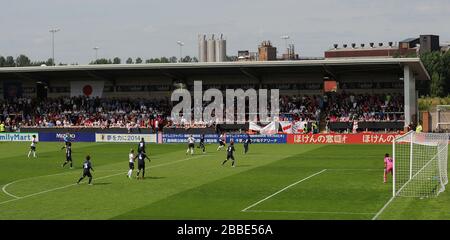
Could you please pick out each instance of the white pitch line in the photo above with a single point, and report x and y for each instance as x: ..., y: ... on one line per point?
x: 24, y: 179
x: 7, y: 193
x: 309, y: 212
x: 304, y: 179
x: 383, y: 208
x: 354, y: 169
x: 50, y: 175
x: 70, y: 185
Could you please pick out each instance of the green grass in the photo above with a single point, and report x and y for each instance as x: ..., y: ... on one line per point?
x: 347, y: 184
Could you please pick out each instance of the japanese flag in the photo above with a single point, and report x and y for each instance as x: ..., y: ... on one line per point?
x: 86, y: 88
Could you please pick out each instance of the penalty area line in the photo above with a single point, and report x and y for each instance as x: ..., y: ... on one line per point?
x: 264, y: 199
x: 74, y: 184
x: 309, y: 212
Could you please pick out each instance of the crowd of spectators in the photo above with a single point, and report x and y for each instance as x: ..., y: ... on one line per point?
x: 146, y: 113
x: 84, y: 112
x: 301, y: 108
x: 364, y: 107
x: 343, y: 107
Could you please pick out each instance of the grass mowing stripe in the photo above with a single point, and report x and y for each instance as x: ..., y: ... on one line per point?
x: 304, y: 179
x: 70, y: 185
x: 258, y: 160
x: 205, y: 190
x: 207, y: 200
x: 47, y: 150
x: 81, y: 146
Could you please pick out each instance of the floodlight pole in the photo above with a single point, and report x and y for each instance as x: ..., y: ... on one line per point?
x: 96, y: 53
x: 181, y: 44
x: 53, y: 31
x: 286, y: 37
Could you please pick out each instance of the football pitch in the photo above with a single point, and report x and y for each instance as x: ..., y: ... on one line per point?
x: 270, y: 182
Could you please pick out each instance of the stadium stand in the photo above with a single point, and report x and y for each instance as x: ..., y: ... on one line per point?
x: 337, y: 111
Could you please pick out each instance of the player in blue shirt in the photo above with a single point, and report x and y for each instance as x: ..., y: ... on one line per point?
x: 247, y: 141
x: 67, y: 140
x: 68, y: 155
x: 202, y: 143
x: 141, y: 164
x: 141, y: 146
x: 87, y: 167
x: 230, y: 155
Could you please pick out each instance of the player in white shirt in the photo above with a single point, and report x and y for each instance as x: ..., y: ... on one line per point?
x: 222, y: 141
x: 33, y: 146
x: 191, y: 144
x: 130, y: 163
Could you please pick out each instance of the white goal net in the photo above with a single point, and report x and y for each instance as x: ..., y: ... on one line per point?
x: 420, y: 164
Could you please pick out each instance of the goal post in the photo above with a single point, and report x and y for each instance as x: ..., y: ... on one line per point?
x: 420, y: 164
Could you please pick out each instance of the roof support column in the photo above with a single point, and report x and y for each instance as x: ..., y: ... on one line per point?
x: 409, y: 94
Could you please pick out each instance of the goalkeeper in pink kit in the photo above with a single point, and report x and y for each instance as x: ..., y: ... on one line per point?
x: 388, y: 166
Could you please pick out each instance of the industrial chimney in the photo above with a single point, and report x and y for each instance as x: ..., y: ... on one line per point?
x: 221, y: 49
x: 202, y: 53
x: 211, y: 50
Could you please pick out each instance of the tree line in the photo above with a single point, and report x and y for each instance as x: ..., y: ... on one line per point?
x: 139, y: 60
x: 24, y: 61
x: 438, y: 67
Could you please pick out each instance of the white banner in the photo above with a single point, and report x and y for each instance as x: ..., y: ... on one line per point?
x: 124, y: 138
x: 253, y: 126
x: 18, y: 137
x: 271, y: 128
x: 297, y: 127
x: 286, y: 126
x: 86, y: 88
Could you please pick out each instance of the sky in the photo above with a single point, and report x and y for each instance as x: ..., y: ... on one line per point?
x: 148, y: 29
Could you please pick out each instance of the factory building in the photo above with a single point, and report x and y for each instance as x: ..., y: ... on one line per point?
x: 407, y: 47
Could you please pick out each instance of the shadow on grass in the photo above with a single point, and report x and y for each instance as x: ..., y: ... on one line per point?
x: 244, y: 165
x: 102, y: 183
x: 154, y: 177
